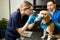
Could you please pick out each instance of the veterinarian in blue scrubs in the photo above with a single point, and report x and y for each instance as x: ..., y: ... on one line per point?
x: 55, y: 15
x: 17, y: 20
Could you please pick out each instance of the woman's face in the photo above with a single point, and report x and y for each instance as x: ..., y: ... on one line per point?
x: 28, y: 11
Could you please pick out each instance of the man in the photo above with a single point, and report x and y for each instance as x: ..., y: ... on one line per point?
x: 55, y: 16
x: 17, y: 20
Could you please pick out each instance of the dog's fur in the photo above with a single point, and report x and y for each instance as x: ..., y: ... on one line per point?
x: 46, y: 19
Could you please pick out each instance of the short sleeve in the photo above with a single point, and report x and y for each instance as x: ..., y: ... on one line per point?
x: 13, y: 23
x: 15, y: 17
x: 17, y: 22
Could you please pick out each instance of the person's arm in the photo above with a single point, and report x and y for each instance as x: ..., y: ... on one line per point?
x: 26, y: 26
x: 58, y: 22
x: 29, y: 24
x: 38, y: 18
x: 33, y: 19
x: 21, y: 30
x: 30, y: 21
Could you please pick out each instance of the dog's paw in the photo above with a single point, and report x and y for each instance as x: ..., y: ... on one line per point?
x: 49, y: 38
x: 43, y: 37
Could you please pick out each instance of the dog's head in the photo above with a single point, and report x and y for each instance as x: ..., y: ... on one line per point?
x: 45, y: 15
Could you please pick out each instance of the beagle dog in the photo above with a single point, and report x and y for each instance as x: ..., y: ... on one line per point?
x: 46, y: 24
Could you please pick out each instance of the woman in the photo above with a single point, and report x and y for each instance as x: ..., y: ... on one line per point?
x: 17, y: 20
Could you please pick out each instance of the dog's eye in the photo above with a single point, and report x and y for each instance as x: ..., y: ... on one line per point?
x: 42, y: 13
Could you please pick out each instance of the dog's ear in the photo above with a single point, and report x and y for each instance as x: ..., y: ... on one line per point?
x: 47, y: 17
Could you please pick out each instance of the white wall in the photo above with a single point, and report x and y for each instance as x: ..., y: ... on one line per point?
x: 0, y: 10
x: 31, y: 1
x: 15, y: 4
x: 4, y: 9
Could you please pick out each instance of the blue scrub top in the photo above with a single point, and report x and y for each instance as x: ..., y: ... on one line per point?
x: 15, y: 21
x: 56, y: 17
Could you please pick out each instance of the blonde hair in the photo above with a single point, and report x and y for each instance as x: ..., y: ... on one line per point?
x: 25, y: 5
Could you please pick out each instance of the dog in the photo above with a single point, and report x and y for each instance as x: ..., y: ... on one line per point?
x: 50, y: 25
x: 46, y: 20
